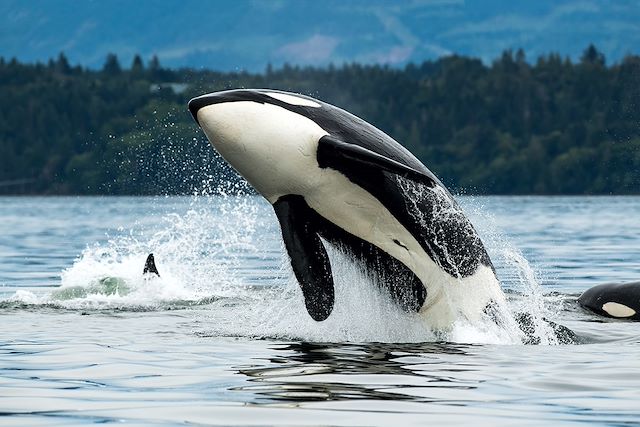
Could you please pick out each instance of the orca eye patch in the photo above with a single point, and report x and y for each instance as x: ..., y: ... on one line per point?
x: 615, y: 309
x: 292, y: 99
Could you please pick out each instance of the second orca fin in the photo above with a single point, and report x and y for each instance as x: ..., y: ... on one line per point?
x: 150, y: 266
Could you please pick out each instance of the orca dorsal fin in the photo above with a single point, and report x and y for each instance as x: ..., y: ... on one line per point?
x: 150, y: 266
x: 337, y: 154
x: 309, y: 258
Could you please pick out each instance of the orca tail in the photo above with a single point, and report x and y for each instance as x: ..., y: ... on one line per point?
x: 150, y: 266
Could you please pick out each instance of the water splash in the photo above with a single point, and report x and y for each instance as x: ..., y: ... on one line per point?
x: 534, y: 309
x: 459, y: 251
x: 223, y: 256
x: 197, y: 252
x: 362, y: 312
x: 533, y: 303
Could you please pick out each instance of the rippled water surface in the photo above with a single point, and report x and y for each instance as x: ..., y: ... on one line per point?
x: 222, y: 336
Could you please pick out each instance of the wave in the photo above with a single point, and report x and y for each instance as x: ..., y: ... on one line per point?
x: 223, y: 256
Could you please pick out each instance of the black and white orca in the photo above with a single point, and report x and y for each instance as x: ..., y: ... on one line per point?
x: 332, y: 177
x: 617, y: 300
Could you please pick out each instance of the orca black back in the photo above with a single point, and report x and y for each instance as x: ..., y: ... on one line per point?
x: 616, y: 300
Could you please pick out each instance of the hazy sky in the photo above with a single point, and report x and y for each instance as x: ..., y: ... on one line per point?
x: 249, y: 34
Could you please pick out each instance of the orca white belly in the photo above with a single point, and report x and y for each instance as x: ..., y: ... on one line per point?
x: 356, y: 211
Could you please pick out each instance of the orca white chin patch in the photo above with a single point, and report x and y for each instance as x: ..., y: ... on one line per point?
x: 618, y: 310
x: 292, y: 99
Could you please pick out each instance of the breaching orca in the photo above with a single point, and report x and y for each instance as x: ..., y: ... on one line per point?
x: 618, y: 300
x: 332, y: 176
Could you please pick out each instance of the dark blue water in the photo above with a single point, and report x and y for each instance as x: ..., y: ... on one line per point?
x: 222, y: 337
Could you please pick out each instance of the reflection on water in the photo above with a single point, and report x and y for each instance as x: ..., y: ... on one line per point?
x: 330, y: 371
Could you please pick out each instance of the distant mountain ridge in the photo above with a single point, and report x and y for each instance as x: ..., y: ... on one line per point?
x: 247, y: 35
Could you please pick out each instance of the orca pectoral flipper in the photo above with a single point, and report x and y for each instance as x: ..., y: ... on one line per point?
x: 309, y: 258
x: 340, y: 155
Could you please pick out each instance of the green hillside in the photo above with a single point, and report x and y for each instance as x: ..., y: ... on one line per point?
x: 547, y: 126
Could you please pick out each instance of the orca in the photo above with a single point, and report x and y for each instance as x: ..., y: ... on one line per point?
x: 109, y: 285
x: 332, y: 178
x: 150, y: 266
x: 617, y: 300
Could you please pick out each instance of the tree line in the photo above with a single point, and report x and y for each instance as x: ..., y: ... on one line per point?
x: 545, y: 126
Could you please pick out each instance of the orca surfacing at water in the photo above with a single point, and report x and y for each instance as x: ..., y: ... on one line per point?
x: 150, y: 266
x: 617, y: 300
x: 330, y: 175
x: 109, y: 285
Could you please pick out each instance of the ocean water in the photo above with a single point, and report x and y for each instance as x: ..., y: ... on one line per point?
x: 222, y: 337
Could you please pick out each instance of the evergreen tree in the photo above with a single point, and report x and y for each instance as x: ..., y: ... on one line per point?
x: 592, y: 56
x: 62, y: 64
x: 137, y: 67
x: 155, y: 69
x: 111, y: 65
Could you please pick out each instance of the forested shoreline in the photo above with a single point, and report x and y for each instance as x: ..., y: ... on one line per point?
x: 516, y: 126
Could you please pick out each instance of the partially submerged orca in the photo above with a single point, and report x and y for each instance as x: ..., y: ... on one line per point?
x: 150, y: 266
x: 617, y: 300
x: 110, y: 285
x: 332, y: 177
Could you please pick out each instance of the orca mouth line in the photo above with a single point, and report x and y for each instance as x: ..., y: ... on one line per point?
x: 221, y: 97
x: 236, y: 95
